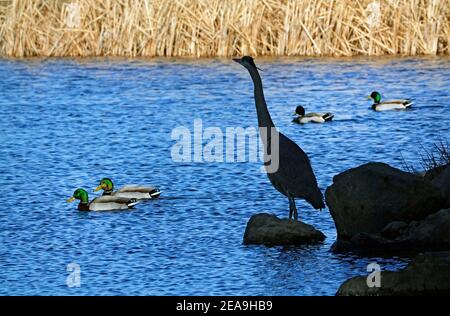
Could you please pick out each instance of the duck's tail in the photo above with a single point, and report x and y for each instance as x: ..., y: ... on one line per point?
x: 328, y: 116
x: 155, y: 194
x: 408, y: 103
x: 132, y: 203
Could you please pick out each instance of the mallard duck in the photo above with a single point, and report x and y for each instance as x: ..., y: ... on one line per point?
x: 303, y: 117
x: 101, y: 203
x: 129, y: 191
x: 378, y: 105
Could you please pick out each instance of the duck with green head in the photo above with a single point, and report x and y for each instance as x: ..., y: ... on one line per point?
x: 379, y: 105
x: 102, y: 203
x: 129, y: 191
x: 302, y: 117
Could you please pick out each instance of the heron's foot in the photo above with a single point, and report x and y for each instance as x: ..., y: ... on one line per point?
x: 293, y: 212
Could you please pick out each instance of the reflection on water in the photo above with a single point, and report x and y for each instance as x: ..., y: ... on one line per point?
x: 67, y: 123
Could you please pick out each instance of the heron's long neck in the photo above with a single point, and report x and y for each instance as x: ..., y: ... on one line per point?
x: 264, y: 119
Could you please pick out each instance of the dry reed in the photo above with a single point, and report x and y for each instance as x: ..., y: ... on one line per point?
x: 430, y: 159
x: 205, y: 28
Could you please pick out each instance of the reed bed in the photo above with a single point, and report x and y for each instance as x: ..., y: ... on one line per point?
x: 204, y: 28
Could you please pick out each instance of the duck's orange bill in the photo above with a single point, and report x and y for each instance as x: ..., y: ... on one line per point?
x: 71, y: 199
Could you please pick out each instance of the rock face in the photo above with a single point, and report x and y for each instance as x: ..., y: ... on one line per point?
x: 365, y: 199
x: 442, y: 182
x: 427, y: 274
x: 269, y: 230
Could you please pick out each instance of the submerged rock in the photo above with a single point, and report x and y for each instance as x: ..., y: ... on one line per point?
x: 427, y: 274
x: 367, y: 198
x: 269, y: 230
x: 431, y: 233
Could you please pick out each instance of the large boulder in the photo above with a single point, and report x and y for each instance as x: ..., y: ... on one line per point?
x: 427, y: 274
x: 269, y: 230
x: 367, y: 198
x: 442, y: 182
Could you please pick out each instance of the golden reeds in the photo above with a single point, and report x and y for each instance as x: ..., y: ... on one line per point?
x: 203, y: 28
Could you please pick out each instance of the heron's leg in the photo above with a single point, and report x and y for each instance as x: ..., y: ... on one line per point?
x: 295, y: 209
x: 292, y: 208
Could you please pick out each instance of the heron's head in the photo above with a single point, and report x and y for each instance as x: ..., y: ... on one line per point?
x: 247, y: 62
x: 376, y: 96
x: 300, y: 110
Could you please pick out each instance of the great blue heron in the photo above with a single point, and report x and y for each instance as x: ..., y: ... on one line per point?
x: 294, y: 176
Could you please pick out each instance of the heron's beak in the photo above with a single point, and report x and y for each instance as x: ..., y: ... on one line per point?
x: 71, y: 199
x: 238, y: 60
x: 98, y: 188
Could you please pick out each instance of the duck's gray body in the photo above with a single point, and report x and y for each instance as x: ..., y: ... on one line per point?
x: 314, y: 118
x: 111, y: 203
x: 392, y: 105
x: 137, y: 192
x: 294, y: 177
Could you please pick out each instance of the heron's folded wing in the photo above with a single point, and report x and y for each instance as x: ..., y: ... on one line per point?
x: 295, y: 167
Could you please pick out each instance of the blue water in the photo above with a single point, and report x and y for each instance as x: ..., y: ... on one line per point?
x: 66, y: 123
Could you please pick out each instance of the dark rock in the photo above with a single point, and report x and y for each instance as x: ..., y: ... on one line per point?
x: 269, y: 230
x: 373, y: 245
x: 342, y: 246
x: 367, y: 198
x: 442, y: 182
x: 431, y: 233
x: 427, y: 274
x: 394, y: 229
